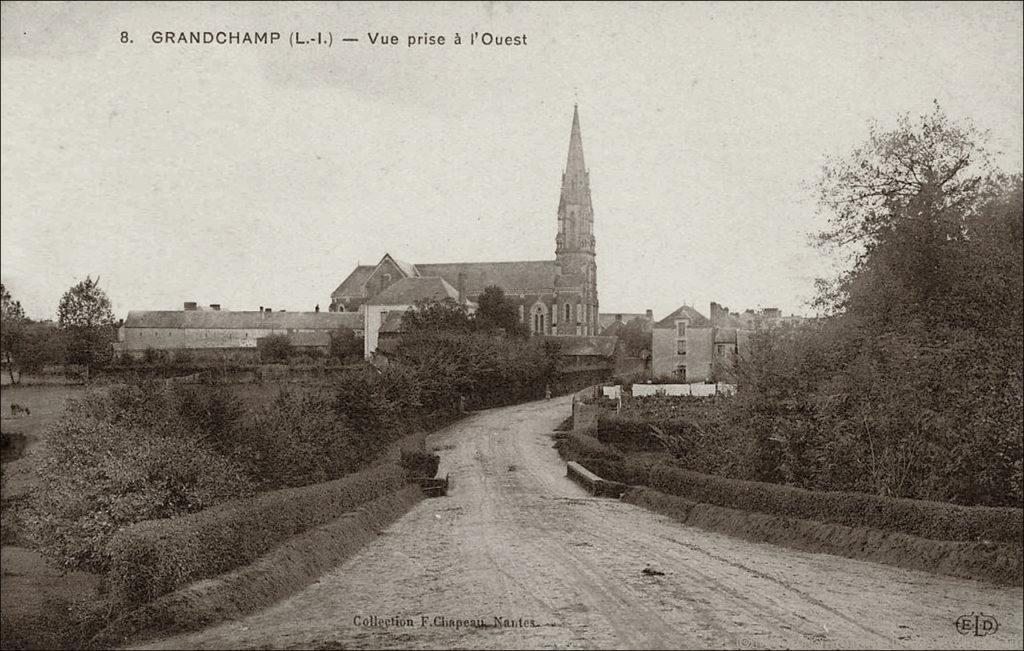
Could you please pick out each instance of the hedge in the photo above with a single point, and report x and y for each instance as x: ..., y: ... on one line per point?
x: 999, y: 562
x: 935, y: 520
x: 152, y: 558
x: 283, y: 570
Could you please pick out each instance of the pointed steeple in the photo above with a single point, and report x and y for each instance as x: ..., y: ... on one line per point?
x: 574, y: 165
x: 575, y: 179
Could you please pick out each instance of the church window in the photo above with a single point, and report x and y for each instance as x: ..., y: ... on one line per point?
x: 521, y: 313
x: 568, y: 312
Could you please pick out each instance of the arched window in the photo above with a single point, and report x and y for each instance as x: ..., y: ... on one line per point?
x: 538, y: 323
x: 568, y: 312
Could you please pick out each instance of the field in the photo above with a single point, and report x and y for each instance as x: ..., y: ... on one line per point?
x: 31, y: 588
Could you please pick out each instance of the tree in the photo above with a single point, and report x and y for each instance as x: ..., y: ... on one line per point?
x: 496, y: 312
x: 436, y: 316
x: 912, y: 386
x: 345, y: 344
x: 635, y: 338
x: 85, y: 317
x: 12, y: 330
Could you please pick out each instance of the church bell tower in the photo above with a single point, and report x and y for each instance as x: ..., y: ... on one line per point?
x: 575, y: 243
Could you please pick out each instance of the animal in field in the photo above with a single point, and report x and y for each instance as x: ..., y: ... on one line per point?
x: 17, y: 409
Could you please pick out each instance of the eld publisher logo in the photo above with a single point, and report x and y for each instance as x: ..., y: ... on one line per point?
x: 978, y: 624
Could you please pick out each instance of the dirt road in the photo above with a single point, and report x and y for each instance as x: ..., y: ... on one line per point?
x: 516, y: 540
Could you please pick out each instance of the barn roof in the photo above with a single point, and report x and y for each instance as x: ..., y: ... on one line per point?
x: 254, y: 320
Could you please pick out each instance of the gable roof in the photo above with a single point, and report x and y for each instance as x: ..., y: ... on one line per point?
x: 684, y: 312
x: 252, y: 320
x: 408, y: 269
x: 407, y: 291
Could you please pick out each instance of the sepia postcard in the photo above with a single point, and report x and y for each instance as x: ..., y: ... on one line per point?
x: 512, y: 325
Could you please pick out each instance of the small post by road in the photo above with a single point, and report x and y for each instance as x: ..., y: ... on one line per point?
x: 547, y: 392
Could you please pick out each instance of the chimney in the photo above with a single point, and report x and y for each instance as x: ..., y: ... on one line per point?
x: 191, y: 306
x: 215, y: 307
x: 317, y: 308
x: 650, y: 315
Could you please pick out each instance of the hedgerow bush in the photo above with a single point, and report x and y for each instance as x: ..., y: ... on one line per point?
x: 153, y: 558
x: 418, y: 464
x: 935, y: 520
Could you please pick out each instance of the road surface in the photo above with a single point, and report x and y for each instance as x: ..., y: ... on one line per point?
x: 516, y: 540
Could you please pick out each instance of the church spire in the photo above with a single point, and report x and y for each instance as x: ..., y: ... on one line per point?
x: 575, y: 245
x: 574, y: 165
x: 575, y: 179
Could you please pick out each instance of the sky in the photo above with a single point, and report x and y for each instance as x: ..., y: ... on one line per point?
x: 261, y: 175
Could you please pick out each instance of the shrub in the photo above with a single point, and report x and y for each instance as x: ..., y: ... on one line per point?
x: 98, y: 476
x: 275, y: 349
x: 300, y: 438
x: 152, y: 558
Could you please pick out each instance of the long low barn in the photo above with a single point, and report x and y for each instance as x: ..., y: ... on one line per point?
x: 214, y: 329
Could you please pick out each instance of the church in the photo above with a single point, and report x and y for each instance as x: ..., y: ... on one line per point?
x: 554, y: 297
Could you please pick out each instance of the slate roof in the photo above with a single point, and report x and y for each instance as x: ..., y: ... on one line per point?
x: 584, y: 345
x: 511, y: 276
x: 684, y: 312
x: 407, y: 291
x: 353, y: 284
x: 254, y: 320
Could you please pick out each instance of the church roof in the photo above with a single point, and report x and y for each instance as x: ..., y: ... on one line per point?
x: 353, y: 284
x: 511, y: 276
x: 684, y: 312
x: 407, y: 291
x: 224, y: 319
